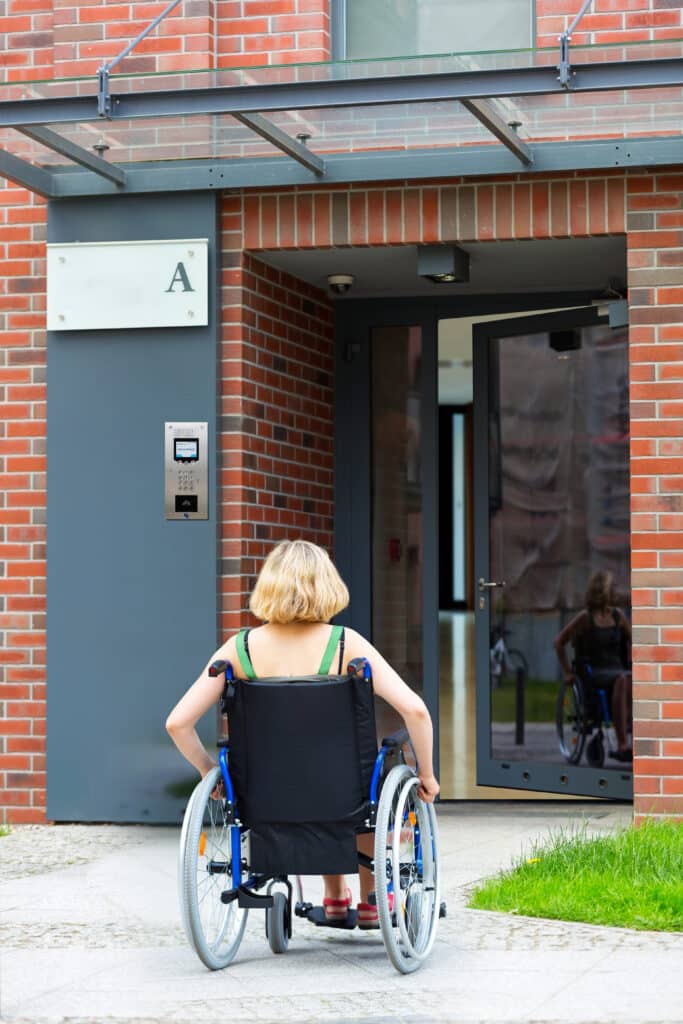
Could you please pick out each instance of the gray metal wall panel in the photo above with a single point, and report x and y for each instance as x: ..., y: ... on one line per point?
x: 131, y: 597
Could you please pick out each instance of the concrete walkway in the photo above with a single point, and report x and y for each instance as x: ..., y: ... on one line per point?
x: 90, y: 931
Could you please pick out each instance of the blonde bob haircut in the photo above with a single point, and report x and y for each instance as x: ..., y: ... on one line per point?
x: 298, y: 583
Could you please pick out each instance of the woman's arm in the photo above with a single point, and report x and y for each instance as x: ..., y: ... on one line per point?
x: 390, y: 687
x: 202, y: 695
x: 564, y: 637
x: 625, y: 624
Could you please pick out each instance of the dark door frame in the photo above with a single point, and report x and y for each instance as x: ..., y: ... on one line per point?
x: 445, y: 536
x: 354, y: 322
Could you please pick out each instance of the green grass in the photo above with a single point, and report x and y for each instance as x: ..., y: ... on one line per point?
x: 540, y: 701
x: 4, y: 830
x: 183, y: 788
x: 632, y: 878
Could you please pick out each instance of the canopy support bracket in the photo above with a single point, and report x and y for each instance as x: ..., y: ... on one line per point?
x: 79, y: 155
x: 484, y: 112
x: 21, y: 172
x: 103, y: 95
x: 565, y: 73
x: 271, y: 133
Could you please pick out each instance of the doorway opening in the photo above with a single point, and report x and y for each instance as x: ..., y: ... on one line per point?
x: 425, y: 459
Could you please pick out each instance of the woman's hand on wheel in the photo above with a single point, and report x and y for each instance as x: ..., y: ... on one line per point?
x: 218, y: 792
x: 428, y: 788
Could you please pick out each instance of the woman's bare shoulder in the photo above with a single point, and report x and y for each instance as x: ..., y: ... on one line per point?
x: 356, y: 642
x: 228, y: 649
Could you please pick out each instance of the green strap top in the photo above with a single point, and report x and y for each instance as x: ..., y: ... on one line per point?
x: 325, y: 664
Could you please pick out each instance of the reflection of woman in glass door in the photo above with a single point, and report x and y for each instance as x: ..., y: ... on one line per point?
x: 601, y: 636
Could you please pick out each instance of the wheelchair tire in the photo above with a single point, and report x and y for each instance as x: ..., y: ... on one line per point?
x: 595, y: 751
x: 277, y: 924
x: 214, y: 928
x: 406, y: 871
x: 570, y: 720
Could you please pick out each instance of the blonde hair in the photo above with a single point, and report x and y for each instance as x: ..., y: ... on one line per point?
x: 600, y: 591
x: 298, y: 583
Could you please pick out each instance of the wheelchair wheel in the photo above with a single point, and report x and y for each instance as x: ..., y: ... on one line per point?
x: 277, y: 924
x: 214, y: 928
x: 570, y: 721
x: 406, y: 870
x: 595, y: 751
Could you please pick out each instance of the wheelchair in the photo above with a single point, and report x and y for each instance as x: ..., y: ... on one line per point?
x: 299, y: 811
x: 584, y: 717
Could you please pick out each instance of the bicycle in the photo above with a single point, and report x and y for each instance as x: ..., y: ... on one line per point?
x: 505, y: 662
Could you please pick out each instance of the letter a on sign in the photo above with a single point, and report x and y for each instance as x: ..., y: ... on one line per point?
x: 180, y: 277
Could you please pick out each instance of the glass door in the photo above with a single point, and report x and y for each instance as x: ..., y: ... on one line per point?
x: 385, y: 493
x: 551, y: 464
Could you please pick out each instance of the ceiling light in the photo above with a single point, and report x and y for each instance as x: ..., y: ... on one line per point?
x: 443, y: 264
x: 565, y: 341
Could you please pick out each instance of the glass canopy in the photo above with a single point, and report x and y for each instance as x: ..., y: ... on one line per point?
x: 447, y: 114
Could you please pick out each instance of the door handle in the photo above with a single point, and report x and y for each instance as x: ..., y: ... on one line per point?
x: 484, y: 584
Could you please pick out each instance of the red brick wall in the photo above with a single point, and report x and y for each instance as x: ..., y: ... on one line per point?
x: 22, y: 505
x: 608, y: 21
x: 655, y: 255
x: 86, y: 35
x: 276, y: 402
x: 578, y: 205
x: 253, y: 32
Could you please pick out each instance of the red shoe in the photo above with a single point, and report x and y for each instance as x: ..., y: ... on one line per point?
x: 336, y: 910
x: 367, y: 912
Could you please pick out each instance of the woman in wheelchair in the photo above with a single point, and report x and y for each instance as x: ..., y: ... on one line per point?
x: 601, y: 636
x: 297, y: 592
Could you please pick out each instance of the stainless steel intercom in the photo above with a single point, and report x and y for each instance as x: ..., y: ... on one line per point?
x: 187, y: 471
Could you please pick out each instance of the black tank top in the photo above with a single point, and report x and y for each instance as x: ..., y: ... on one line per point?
x: 601, y: 646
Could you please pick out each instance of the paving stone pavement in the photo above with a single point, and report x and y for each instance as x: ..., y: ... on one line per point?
x: 90, y: 931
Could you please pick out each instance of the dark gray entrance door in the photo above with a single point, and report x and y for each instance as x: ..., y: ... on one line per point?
x: 551, y: 443
x: 131, y: 596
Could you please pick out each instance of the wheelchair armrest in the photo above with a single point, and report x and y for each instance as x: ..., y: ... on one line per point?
x: 397, y: 739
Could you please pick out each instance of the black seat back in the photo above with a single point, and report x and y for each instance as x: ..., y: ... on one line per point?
x: 302, y: 749
x: 302, y: 753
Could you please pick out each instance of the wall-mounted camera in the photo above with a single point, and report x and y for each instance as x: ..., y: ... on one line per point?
x: 340, y: 284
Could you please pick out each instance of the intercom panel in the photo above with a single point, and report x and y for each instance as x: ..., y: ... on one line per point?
x: 187, y: 471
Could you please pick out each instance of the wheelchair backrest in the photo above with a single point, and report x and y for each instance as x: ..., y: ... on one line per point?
x: 303, y: 749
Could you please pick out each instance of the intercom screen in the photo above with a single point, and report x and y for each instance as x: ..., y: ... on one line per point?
x: 186, y: 449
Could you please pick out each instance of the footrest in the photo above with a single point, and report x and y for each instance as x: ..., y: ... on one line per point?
x: 317, y: 916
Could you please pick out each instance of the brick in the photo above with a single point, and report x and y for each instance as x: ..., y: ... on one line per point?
x: 485, y: 213
x: 24, y: 815
x: 522, y: 210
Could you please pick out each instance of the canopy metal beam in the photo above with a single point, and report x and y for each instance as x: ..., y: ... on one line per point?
x: 69, y: 149
x: 21, y: 172
x: 354, y: 92
x: 484, y: 112
x: 341, y: 168
x: 269, y: 131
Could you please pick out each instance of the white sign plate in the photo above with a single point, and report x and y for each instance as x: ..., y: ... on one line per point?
x: 113, y: 285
